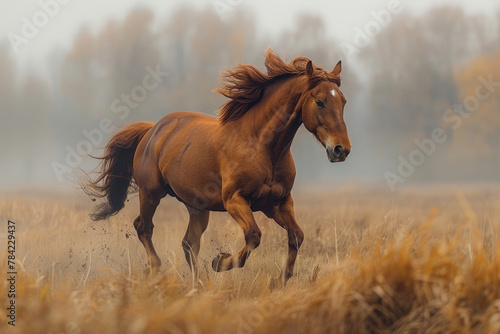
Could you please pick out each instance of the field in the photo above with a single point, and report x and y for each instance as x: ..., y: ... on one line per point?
x: 425, y: 260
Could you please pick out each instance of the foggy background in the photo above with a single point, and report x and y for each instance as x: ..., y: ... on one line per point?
x: 427, y: 66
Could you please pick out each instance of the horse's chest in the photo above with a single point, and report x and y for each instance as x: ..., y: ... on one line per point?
x: 268, y: 194
x: 275, y: 190
x: 264, y: 185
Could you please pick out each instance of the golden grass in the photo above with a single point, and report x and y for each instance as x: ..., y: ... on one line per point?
x: 423, y: 261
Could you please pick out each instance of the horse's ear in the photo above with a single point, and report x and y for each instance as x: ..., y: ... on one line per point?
x: 337, y: 69
x: 309, y: 68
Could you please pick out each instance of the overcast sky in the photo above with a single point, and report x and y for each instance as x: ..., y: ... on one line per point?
x: 341, y: 17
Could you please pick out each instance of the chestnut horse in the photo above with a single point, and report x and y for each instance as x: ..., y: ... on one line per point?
x: 239, y: 162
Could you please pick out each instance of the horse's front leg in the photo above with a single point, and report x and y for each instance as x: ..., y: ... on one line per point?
x: 239, y: 208
x: 284, y: 215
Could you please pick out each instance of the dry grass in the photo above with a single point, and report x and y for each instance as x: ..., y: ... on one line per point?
x: 423, y: 261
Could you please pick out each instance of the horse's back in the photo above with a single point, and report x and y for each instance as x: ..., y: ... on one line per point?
x: 189, y: 116
x: 176, y: 130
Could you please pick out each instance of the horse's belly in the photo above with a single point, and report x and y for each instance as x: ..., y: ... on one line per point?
x: 192, y: 173
x: 200, y: 190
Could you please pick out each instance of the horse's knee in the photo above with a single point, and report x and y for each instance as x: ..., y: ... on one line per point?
x: 137, y: 223
x: 295, y: 238
x: 252, y: 238
x: 142, y: 228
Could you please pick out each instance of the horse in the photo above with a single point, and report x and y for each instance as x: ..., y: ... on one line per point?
x: 239, y: 162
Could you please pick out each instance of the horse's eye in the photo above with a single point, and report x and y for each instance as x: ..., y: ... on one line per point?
x: 320, y: 103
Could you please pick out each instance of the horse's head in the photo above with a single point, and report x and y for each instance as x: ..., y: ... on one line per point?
x: 323, y: 113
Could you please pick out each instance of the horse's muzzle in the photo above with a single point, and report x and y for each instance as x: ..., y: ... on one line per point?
x: 337, y: 153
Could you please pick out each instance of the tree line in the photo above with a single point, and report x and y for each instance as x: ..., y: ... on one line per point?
x: 406, y: 83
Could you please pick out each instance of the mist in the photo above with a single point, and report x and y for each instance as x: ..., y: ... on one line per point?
x: 422, y: 90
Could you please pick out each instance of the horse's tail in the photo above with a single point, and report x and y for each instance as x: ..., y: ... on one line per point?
x: 115, y: 170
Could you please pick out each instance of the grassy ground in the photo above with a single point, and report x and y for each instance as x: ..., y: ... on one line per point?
x: 421, y: 261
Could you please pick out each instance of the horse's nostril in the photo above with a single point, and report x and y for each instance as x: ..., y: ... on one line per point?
x: 338, y: 151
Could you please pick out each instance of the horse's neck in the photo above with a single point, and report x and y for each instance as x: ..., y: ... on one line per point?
x: 279, y: 117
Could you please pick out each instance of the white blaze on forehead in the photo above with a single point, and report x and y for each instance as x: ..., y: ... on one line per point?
x: 333, y: 92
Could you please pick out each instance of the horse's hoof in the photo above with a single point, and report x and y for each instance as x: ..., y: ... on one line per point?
x: 217, y: 263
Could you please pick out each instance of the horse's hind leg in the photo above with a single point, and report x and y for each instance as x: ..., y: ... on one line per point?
x: 198, y: 222
x: 144, y: 226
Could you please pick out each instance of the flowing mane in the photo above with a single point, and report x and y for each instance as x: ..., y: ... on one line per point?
x: 244, y: 85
